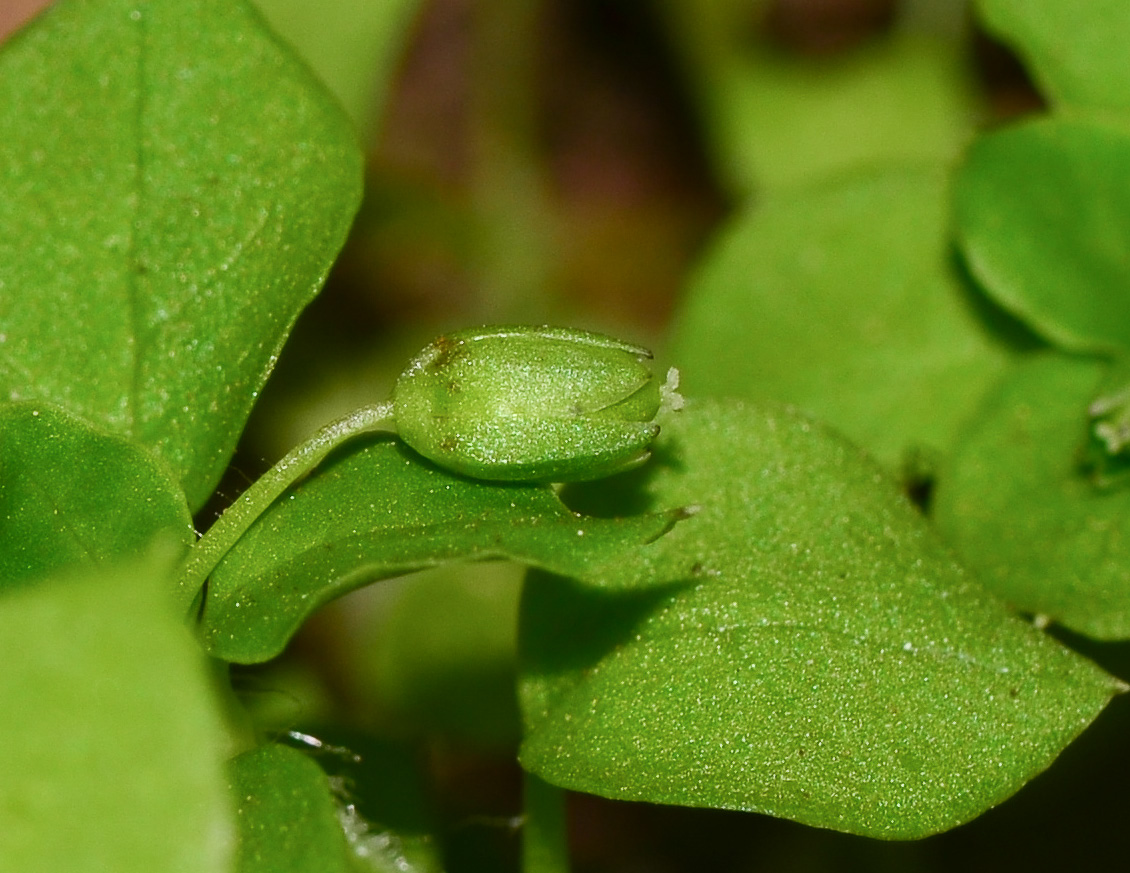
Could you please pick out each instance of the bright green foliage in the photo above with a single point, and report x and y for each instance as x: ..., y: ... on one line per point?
x: 112, y: 744
x: 1044, y: 223
x: 845, y: 301
x: 380, y: 511
x: 804, y: 646
x: 1076, y: 51
x: 173, y: 187
x: 1024, y: 504
x: 176, y: 186
x: 70, y: 495
x: 529, y: 404
x: 288, y: 819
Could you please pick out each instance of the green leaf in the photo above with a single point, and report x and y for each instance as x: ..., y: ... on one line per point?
x: 379, y: 511
x: 382, y: 789
x: 112, y: 745
x: 775, y: 118
x: 780, y: 120
x: 1019, y: 504
x: 1076, y: 51
x: 288, y: 819
x: 353, y: 45
x: 1043, y: 216
x: 176, y: 186
x: 845, y: 301
x: 71, y: 495
x: 804, y: 646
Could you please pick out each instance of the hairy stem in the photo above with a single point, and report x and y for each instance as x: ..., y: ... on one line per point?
x: 233, y: 524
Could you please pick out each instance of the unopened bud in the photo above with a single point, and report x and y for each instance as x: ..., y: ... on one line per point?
x: 530, y: 404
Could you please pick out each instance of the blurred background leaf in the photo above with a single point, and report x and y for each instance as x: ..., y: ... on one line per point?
x: 1076, y: 52
x: 1043, y: 222
x: 112, y: 733
x: 845, y: 299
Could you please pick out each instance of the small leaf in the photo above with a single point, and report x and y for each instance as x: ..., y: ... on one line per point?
x: 845, y: 301
x: 288, y: 820
x: 804, y: 646
x: 1077, y: 51
x: 70, y: 495
x: 176, y: 186
x: 1044, y: 224
x: 112, y: 744
x: 1019, y: 504
x: 380, y: 511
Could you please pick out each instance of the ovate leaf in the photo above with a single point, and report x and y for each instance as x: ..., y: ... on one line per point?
x: 175, y: 186
x: 1076, y: 51
x: 1025, y: 506
x: 1043, y: 218
x: 70, y: 495
x: 804, y: 646
x: 379, y: 510
x: 112, y: 746
x: 845, y: 301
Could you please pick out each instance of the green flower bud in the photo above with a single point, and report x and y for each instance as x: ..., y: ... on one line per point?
x: 530, y: 403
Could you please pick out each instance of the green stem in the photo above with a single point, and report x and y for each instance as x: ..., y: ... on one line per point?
x: 545, y: 844
x: 233, y: 524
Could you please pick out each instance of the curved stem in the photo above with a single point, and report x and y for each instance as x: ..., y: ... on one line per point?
x: 210, y: 549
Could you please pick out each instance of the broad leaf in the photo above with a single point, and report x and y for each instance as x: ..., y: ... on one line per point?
x: 288, y: 819
x: 175, y: 186
x: 112, y: 745
x: 378, y: 511
x: 1076, y: 51
x: 845, y: 301
x: 804, y: 646
x: 70, y: 495
x: 1043, y: 215
x: 1022, y: 507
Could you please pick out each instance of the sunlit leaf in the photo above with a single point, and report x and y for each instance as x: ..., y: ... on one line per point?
x: 804, y: 646
x: 1043, y: 218
x: 379, y: 510
x: 70, y: 495
x: 175, y: 186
